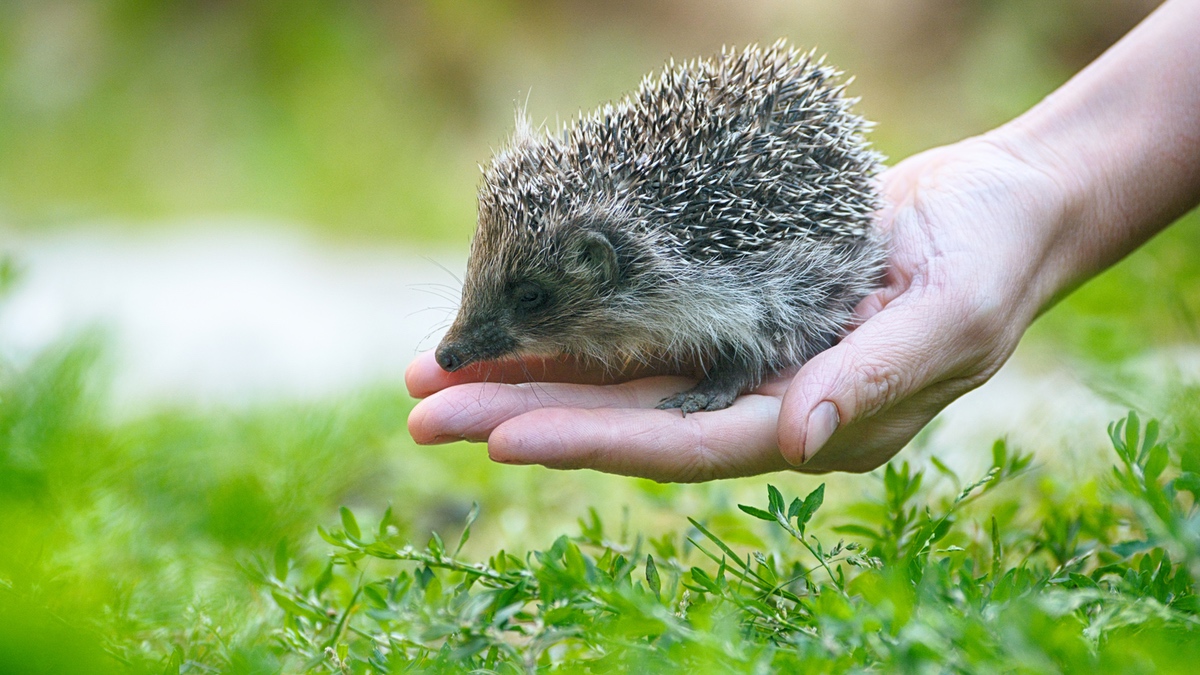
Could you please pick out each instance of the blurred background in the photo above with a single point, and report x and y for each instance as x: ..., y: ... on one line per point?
x: 366, y: 119
x: 228, y: 225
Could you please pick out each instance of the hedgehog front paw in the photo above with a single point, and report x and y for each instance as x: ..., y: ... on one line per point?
x: 699, y: 399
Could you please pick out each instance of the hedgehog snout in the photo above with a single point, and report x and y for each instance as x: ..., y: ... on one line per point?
x: 450, y: 357
x: 463, y: 347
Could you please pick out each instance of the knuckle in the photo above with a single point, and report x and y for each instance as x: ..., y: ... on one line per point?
x: 878, y: 386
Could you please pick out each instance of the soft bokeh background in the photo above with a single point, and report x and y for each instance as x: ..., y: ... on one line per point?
x: 228, y: 225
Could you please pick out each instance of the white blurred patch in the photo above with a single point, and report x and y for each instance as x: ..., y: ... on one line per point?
x: 232, y: 315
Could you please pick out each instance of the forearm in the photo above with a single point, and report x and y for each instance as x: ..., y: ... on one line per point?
x: 1120, y: 143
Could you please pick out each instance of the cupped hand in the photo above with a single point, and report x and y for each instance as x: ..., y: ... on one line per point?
x: 970, y: 228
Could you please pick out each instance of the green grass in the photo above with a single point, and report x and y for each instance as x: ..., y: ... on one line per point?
x: 191, y: 542
x: 986, y: 580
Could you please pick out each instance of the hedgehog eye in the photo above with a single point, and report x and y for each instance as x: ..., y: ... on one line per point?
x: 529, y: 295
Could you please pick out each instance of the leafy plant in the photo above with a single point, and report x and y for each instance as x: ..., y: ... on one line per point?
x: 124, y: 540
x: 915, y: 588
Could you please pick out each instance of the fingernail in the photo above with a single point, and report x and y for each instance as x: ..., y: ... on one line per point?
x: 511, y: 461
x: 454, y: 438
x: 822, y: 422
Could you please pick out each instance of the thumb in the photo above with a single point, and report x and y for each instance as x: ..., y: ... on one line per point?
x: 893, y: 355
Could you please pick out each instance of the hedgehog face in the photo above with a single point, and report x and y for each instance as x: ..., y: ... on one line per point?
x: 541, y: 293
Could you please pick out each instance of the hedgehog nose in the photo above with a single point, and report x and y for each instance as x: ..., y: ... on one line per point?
x: 449, y: 358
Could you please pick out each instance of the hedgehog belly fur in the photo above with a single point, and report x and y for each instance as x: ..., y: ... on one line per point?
x: 773, y: 311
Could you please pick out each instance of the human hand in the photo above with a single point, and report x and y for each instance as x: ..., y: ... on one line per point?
x: 968, y: 225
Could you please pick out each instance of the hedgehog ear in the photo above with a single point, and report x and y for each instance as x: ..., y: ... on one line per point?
x: 592, y: 254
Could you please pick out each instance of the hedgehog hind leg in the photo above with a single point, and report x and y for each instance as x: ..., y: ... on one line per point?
x: 721, y: 386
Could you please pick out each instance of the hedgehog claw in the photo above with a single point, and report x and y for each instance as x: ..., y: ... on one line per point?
x: 699, y: 400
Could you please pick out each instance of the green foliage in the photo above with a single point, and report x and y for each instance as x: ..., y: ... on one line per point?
x: 184, y: 543
x: 923, y: 586
x: 124, y: 537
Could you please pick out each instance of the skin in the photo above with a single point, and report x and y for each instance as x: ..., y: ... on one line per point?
x: 985, y: 235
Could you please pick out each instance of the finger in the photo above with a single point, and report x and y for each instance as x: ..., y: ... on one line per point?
x: 471, y: 411
x: 865, y: 446
x: 873, y: 304
x: 424, y: 376
x: 895, y: 354
x: 896, y: 284
x: 657, y: 444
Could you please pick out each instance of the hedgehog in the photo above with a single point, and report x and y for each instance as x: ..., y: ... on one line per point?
x: 716, y: 222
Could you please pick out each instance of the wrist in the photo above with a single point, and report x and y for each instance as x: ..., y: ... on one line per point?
x: 1051, y: 198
